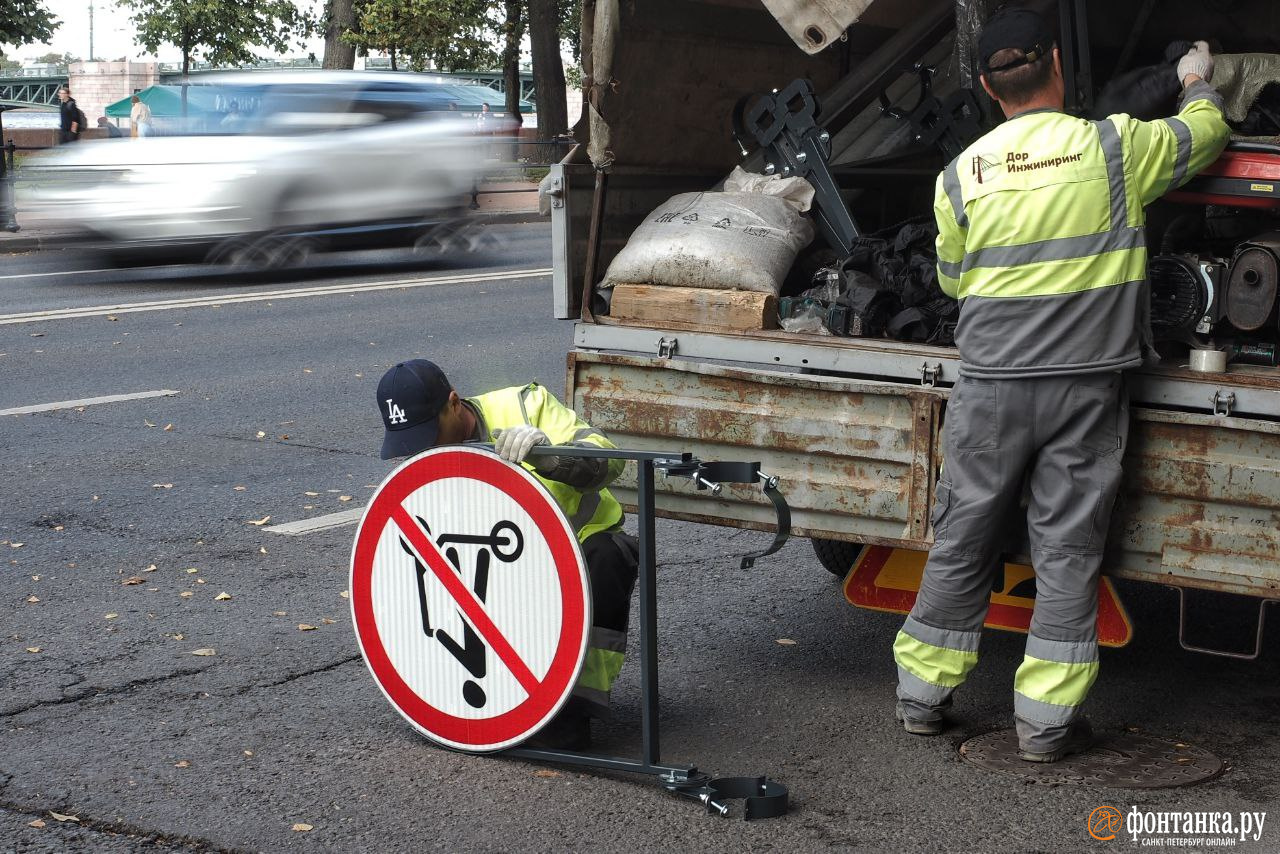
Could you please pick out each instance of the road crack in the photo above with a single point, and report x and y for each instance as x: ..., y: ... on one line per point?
x: 292, y: 677
x: 93, y: 692
x: 120, y: 828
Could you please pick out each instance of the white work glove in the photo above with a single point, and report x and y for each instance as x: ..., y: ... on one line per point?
x: 1197, y: 61
x: 514, y: 443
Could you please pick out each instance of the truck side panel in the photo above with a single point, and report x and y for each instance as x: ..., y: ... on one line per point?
x: 1200, y: 505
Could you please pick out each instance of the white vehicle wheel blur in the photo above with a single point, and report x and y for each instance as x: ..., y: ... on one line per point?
x: 283, y: 253
x: 440, y: 240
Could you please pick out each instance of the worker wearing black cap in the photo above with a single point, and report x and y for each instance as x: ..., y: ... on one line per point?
x: 1041, y: 238
x: 420, y: 410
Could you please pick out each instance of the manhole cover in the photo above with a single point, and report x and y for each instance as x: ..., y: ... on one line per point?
x: 1121, y: 761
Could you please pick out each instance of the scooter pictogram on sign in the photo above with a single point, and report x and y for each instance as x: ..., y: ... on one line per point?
x: 470, y: 600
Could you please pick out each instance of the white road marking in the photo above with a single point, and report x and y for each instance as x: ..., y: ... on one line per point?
x: 318, y: 523
x: 262, y: 296
x: 88, y: 401
x: 57, y: 273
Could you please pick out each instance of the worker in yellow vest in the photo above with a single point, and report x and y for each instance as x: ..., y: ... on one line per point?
x: 1041, y: 238
x: 420, y: 410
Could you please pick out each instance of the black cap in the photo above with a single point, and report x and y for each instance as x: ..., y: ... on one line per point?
x: 411, y: 396
x: 1022, y: 29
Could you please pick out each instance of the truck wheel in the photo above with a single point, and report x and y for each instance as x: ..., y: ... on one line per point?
x: 837, y: 555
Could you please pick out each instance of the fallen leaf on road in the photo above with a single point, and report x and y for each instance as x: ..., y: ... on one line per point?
x: 147, y: 423
x: 264, y: 520
x: 786, y: 641
x: 303, y: 627
x: 16, y: 545
x: 133, y: 579
x: 345, y: 594
x: 327, y: 621
x: 312, y: 494
x: 168, y: 428
x: 280, y: 613
x: 306, y: 370
x: 222, y: 597
x: 308, y: 507
x: 284, y: 437
x: 199, y: 581
x: 239, y: 488
x: 112, y: 317
x: 546, y: 772
x: 33, y: 649
x: 248, y: 753
x: 179, y: 636
x: 182, y: 763
x: 204, y: 651
x: 57, y: 527
x: 186, y: 594
x: 79, y: 409
x: 33, y: 599
x: 111, y: 616
x: 36, y: 823
x: 57, y: 816
x: 150, y: 568
x: 300, y: 827
x: 262, y: 550
x: 37, y: 334
x: 344, y: 497
x: 261, y: 435
x: 162, y: 486
x: 191, y: 570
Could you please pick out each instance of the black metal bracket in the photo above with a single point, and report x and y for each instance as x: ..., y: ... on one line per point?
x: 949, y: 124
x: 764, y: 798
x: 784, y: 125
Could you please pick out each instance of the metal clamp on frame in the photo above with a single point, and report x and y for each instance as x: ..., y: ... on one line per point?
x: 764, y: 798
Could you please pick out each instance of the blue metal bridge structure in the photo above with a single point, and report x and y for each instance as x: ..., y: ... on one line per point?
x: 43, y: 91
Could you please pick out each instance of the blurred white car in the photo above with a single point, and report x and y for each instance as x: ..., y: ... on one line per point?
x: 292, y: 162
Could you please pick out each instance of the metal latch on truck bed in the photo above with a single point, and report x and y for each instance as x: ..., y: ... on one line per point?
x: 667, y: 347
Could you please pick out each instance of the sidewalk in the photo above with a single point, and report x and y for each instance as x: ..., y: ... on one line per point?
x: 501, y: 208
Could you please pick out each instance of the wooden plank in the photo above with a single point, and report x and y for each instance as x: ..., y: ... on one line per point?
x: 703, y: 307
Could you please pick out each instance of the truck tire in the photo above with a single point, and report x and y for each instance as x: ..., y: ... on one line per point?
x: 837, y: 555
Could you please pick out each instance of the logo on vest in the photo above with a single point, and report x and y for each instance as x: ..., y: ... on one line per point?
x: 395, y: 415
x: 984, y: 166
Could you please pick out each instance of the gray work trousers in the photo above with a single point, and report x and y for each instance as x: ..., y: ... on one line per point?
x: 1064, y: 437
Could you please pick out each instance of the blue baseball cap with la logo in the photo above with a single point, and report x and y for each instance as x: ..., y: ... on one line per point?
x: 411, y: 396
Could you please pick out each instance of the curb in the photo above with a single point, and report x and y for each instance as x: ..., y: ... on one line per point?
x: 18, y: 245
x: 509, y: 217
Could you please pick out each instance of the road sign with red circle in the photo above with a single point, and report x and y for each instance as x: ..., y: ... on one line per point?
x: 470, y: 598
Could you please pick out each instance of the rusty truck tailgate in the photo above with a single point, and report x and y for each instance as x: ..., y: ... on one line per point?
x: 1200, y: 506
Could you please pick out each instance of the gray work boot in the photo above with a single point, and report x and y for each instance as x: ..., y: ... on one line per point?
x: 1079, y: 738
x: 917, y: 726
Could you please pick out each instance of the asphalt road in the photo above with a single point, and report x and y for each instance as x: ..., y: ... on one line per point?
x: 113, y: 511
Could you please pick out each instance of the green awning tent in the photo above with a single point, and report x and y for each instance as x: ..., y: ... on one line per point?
x: 469, y: 98
x: 165, y: 100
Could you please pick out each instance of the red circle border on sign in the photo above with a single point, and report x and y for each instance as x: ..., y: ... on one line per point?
x: 510, y: 727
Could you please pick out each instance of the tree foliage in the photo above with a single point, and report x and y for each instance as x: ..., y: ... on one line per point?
x: 447, y: 34
x: 223, y: 32
x: 25, y: 21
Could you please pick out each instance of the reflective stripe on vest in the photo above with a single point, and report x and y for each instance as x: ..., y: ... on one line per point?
x: 588, y: 512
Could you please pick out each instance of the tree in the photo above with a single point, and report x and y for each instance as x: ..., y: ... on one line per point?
x: 513, y: 35
x: 339, y: 17
x: 220, y: 31
x: 9, y: 65
x: 25, y: 21
x: 548, y: 68
x: 447, y: 34
x: 62, y: 60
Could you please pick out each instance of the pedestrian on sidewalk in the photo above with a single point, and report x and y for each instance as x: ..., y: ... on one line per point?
x: 71, y: 120
x: 107, y: 125
x: 139, y: 118
x: 420, y: 410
